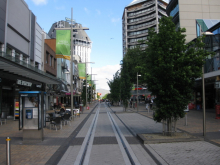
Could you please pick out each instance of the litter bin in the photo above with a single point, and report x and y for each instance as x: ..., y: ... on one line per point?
x: 217, y: 110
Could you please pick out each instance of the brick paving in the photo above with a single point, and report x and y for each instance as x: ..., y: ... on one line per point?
x: 200, y: 152
x: 194, y: 123
x: 35, y: 152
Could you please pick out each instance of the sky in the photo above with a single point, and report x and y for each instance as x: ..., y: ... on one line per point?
x: 104, y: 20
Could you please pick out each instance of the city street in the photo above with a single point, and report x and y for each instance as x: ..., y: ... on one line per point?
x: 104, y: 136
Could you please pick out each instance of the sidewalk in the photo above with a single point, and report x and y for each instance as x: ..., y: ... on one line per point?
x: 194, y: 123
x: 35, y: 152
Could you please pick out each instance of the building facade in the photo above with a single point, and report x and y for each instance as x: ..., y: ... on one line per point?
x: 185, y: 13
x: 138, y: 17
x: 20, y: 55
x: 82, y: 46
x: 199, y: 17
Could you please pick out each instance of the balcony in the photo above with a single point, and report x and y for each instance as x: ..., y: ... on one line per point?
x: 143, y: 19
x: 145, y: 5
x: 14, y: 65
x: 141, y: 27
x: 142, y: 14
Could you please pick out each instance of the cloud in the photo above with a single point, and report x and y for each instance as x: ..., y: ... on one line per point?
x: 40, y: 2
x: 115, y: 20
x: 98, y: 12
x: 86, y: 10
x: 103, y: 73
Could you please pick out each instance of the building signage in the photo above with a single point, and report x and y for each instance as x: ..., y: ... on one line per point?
x: 39, y: 85
x: 69, y: 19
x: 25, y: 83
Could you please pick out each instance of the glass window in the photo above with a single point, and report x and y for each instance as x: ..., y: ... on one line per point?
x: 8, y: 51
x: 198, y: 29
x: 47, y: 57
x: 37, y: 65
x: 51, y: 60
x: 175, y: 10
x: 54, y: 63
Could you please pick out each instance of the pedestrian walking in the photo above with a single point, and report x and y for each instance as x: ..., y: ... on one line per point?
x: 147, y: 103
x: 151, y: 103
x: 130, y: 103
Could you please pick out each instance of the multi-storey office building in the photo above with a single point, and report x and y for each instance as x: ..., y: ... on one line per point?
x: 185, y: 13
x: 198, y: 17
x: 20, y: 54
x: 81, y: 50
x: 138, y: 17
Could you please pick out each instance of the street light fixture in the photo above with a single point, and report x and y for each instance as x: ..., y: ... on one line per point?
x: 137, y: 90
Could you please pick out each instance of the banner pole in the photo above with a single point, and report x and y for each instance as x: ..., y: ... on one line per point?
x: 71, y: 64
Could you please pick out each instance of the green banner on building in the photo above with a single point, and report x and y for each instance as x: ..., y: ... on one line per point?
x: 63, y: 44
x: 82, y: 70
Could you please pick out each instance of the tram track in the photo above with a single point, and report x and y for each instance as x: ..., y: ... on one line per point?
x: 84, y: 153
x: 142, y: 145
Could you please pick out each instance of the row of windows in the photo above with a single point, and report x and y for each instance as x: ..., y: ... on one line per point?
x: 217, y: 31
x: 17, y: 55
x: 139, y: 32
x: 162, y: 11
x: 142, y: 46
x: 141, y: 11
x: 137, y: 39
x: 50, y: 60
x: 142, y: 25
x: 141, y: 18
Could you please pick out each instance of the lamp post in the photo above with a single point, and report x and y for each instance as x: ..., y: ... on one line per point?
x: 86, y: 79
x: 203, y: 89
x: 137, y: 90
x: 71, y: 55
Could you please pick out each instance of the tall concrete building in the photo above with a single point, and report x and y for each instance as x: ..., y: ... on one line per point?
x: 186, y: 12
x: 138, y: 17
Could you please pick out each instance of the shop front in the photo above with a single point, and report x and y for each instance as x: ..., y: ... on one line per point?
x: 18, y: 76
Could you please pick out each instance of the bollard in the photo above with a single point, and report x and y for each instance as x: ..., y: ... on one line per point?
x: 8, y: 151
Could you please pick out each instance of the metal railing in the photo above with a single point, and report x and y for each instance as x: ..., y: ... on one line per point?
x: 25, y: 64
x: 212, y: 64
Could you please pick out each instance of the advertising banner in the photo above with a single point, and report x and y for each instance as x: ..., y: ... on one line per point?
x: 82, y: 70
x: 89, y: 80
x: 63, y: 44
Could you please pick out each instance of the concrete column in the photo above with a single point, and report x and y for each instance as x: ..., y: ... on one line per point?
x: 13, y: 53
x: 21, y: 57
x: 2, y: 47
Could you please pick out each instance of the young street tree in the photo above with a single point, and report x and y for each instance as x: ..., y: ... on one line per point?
x: 114, y: 86
x: 171, y: 69
x: 126, y: 84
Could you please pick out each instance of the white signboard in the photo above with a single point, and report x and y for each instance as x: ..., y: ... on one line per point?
x: 35, y: 113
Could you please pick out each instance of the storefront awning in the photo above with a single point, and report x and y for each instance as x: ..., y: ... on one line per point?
x: 18, y: 67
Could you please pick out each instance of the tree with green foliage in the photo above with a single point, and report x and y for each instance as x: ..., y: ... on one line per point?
x: 134, y: 58
x: 114, y: 86
x: 170, y: 70
x: 105, y: 96
x: 126, y: 84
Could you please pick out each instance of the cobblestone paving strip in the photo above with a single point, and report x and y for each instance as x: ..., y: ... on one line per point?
x: 187, y: 153
x: 34, y: 154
